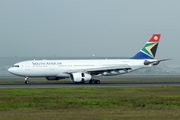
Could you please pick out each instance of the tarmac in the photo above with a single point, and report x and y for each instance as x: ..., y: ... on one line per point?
x: 132, y: 81
x: 72, y: 85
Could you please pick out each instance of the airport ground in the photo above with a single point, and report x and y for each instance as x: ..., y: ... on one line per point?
x: 98, y: 103
x: 120, y: 81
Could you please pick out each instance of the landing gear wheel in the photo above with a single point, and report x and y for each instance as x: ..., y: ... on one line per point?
x: 26, y: 82
x: 94, y: 81
x: 97, y: 81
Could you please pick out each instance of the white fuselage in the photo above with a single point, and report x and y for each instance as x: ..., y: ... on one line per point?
x: 62, y: 68
x: 80, y: 71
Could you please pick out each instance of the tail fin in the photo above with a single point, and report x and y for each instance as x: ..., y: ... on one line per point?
x: 149, y: 49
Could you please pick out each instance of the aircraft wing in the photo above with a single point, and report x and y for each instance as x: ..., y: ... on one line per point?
x: 96, y: 71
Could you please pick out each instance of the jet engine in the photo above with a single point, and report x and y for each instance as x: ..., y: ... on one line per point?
x: 80, y: 77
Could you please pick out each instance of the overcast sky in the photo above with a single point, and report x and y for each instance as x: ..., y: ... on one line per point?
x: 81, y: 28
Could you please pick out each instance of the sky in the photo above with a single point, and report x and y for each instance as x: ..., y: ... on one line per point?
x: 82, y: 28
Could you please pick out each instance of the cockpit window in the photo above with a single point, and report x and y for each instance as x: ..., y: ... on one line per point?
x: 15, y: 66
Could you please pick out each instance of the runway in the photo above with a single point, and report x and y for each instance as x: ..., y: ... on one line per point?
x: 72, y: 85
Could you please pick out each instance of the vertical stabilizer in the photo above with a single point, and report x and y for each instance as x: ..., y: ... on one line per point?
x: 149, y: 49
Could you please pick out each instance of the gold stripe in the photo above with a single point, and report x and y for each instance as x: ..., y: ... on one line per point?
x: 148, y: 48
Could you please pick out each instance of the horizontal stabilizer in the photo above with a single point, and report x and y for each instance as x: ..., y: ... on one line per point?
x: 146, y: 62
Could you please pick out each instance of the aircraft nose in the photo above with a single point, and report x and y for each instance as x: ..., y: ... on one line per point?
x: 10, y: 70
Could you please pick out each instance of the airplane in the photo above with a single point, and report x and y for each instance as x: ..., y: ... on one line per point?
x: 80, y: 71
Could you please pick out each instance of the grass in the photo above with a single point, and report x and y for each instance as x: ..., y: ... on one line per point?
x: 90, y: 103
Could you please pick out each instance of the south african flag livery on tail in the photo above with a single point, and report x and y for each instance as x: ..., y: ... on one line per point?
x: 149, y: 49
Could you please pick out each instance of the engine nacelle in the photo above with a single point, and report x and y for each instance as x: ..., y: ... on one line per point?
x: 80, y: 77
x: 54, y: 78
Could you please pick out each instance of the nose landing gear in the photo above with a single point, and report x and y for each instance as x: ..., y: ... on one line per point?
x: 26, y: 80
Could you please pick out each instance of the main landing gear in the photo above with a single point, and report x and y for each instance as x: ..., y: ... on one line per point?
x: 93, y: 81
x: 26, y: 80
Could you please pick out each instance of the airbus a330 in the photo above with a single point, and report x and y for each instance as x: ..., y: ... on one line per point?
x: 80, y: 71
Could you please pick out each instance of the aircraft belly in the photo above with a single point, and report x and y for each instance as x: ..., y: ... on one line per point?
x: 62, y: 75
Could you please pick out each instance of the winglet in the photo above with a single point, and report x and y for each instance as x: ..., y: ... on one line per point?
x: 149, y: 49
